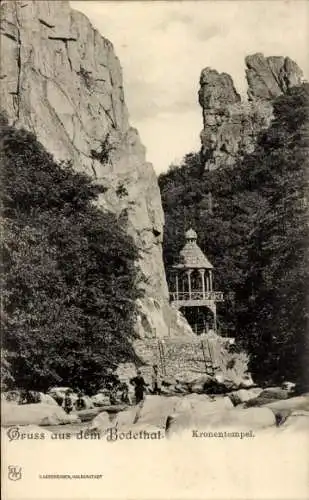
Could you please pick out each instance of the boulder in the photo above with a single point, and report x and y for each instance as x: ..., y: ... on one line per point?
x: 216, y: 384
x: 275, y: 393
x: 101, y: 422
x: 194, y: 407
x: 156, y: 409
x: 35, y: 414
x: 47, y: 399
x: 289, y: 386
x: 244, y: 395
x: 243, y: 420
x: 246, y: 382
x: 58, y: 393
x: 37, y: 397
x: 282, y: 409
x: 291, y: 404
x: 12, y: 397
x: 199, y: 385
x: 101, y: 399
x: 180, y: 388
x: 272, y: 394
x: 296, y: 421
x: 203, y: 404
x: 125, y: 419
x: 167, y: 391
x: 152, y: 413
x: 87, y: 414
x: 56, y: 419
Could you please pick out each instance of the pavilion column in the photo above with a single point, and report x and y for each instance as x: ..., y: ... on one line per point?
x: 202, y: 273
x: 177, y: 286
x: 189, y: 281
x: 210, y: 281
x: 207, y: 283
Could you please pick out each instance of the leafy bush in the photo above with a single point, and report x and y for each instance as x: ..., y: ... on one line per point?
x: 68, y: 271
x: 6, y: 372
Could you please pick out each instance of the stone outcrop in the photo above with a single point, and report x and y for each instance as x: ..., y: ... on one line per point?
x: 230, y: 125
x: 236, y: 419
x: 269, y: 77
x: 35, y: 414
x: 192, y: 360
x: 62, y: 80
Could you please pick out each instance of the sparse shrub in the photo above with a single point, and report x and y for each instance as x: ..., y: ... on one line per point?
x: 103, y: 154
x: 86, y: 77
x: 121, y: 191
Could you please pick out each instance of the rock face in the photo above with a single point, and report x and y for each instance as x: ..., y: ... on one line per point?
x: 230, y: 126
x: 269, y: 77
x: 62, y: 80
x: 184, y: 358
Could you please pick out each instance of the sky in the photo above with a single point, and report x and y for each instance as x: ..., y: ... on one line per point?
x: 164, y: 45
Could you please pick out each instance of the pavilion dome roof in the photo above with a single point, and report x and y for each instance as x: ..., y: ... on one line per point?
x: 191, y: 235
x: 191, y: 256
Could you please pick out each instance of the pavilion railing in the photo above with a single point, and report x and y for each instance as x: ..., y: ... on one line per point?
x: 180, y: 296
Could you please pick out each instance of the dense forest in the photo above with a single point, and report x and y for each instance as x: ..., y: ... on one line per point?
x: 69, y: 282
x: 252, y: 223
x: 68, y: 279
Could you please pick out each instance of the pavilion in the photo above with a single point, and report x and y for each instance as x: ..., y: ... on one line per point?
x: 193, y: 287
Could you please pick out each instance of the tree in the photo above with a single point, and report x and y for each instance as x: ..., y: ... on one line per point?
x: 214, y: 206
x: 69, y: 274
x: 254, y: 229
x: 278, y: 245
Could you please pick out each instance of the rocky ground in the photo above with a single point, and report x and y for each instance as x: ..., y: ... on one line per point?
x: 244, y: 409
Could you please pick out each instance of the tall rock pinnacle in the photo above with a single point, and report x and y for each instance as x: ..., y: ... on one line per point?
x: 230, y: 126
x: 269, y: 77
x: 62, y: 80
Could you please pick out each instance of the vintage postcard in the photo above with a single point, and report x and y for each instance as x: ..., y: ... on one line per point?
x: 154, y: 278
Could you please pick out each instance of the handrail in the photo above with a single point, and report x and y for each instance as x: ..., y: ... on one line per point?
x: 162, y: 356
x: 178, y: 296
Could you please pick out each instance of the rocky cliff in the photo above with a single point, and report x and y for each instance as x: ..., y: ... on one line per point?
x: 230, y: 125
x: 62, y: 80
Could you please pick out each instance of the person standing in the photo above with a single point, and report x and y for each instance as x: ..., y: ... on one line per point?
x: 68, y: 402
x: 80, y: 403
x: 156, y: 380
x: 139, y: 387
x: 124, y: 397
x: 115, y: 385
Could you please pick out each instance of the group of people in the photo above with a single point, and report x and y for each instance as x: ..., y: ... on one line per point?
x: 69, y: 405
x: 118, y: 391
x: 67, y: 400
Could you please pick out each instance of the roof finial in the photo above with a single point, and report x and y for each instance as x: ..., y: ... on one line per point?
x: 190, y: 235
